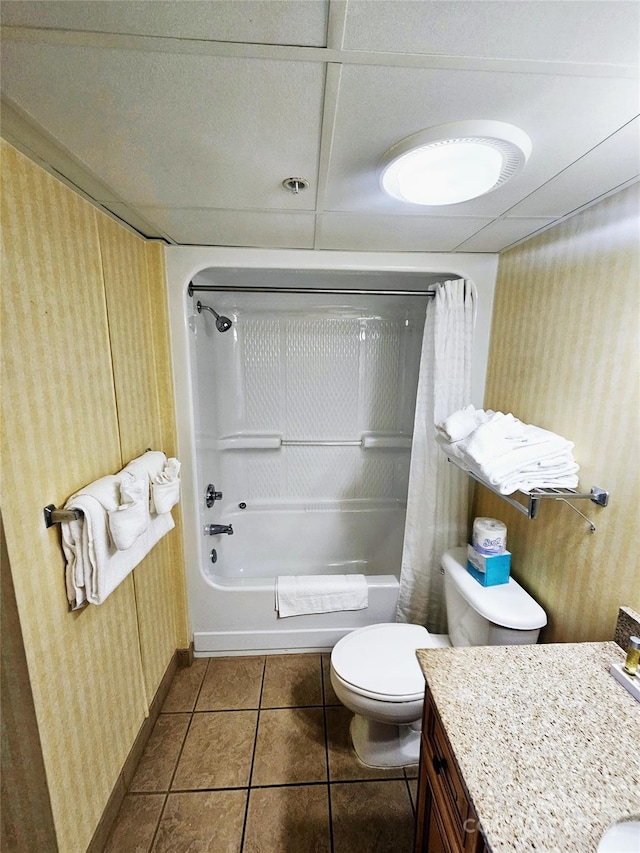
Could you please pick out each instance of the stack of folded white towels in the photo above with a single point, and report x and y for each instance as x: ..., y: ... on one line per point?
x: 507, y: 453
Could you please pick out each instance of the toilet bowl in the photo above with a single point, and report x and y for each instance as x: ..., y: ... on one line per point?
x: 375, y: 672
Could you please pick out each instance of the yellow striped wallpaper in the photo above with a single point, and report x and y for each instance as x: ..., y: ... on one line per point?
x: 77, y: 351
x: 128, y: 297
x: 565, y: 355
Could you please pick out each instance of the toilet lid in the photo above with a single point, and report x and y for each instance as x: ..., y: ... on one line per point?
x: 381, y: 659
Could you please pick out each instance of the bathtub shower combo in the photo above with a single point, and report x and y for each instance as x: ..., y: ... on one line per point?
x: 303, y: 414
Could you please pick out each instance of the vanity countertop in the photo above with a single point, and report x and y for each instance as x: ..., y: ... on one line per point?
x: 545, y: 738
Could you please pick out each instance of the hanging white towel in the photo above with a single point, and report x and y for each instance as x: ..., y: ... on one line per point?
x: 95, y: 566
x: 300, y: 594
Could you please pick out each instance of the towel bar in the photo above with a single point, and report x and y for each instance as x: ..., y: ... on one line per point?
x: 57, y: 516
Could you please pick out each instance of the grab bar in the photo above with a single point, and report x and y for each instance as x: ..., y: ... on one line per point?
x: 368, y: 441
x: 294, y: 442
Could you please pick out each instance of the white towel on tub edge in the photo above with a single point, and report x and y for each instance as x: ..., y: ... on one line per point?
x: 297, y: 595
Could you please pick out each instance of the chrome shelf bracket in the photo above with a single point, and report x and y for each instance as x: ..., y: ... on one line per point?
x: 530, y: 508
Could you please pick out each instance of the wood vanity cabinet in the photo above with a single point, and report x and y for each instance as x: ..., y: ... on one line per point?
x: 445, y: 819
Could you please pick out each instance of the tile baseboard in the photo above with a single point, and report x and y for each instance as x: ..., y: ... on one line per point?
x: 110, y: 812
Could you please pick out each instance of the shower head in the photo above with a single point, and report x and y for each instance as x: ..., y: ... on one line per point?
x: 222, y: 323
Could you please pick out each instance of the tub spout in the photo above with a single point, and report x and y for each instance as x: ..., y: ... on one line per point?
x: 215, y: 529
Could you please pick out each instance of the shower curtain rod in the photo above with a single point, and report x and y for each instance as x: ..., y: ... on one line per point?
x: 196, y: 288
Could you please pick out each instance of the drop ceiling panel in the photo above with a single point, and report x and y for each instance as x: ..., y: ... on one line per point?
x: 502, y: 233
x: 394, y: 233
x: 192, y: 140
x: 378, y: 106
x: 172, y: 129
x: 271, y: 230
x: 300, y: 22
x: 611, y: 164
x: 562, y: 31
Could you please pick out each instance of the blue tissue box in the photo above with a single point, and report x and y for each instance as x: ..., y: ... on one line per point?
x: 488, y: 570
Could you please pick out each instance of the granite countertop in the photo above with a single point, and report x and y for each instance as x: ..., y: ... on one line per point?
x: 545, y: 738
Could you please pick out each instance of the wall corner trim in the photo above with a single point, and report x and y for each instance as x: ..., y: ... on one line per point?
x: 185, y: 656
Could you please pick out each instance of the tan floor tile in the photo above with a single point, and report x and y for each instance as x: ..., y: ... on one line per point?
x: 232, y: 683
x: 411, y: 771
x: 371, y: 816
x: 288, y: 820
x: 136, y: 824
x: 218, y: 750
x: 290, y: 747
x: 202, y: 822
x: 184, y: 688
x: 161, y: 753
x: 343, y: 762
x: 292, y: 681
x: 330, y: 697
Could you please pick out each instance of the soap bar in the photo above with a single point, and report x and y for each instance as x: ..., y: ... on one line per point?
x: 631, y: 684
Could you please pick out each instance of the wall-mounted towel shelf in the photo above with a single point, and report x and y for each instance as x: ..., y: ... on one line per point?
x: 57, y: 516
x: 531, y: 503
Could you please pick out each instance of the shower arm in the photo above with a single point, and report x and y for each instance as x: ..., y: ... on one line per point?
x: 223, y: 324
x: 202, y: 308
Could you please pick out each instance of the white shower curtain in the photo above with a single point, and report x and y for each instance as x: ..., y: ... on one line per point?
x: 437, y: 501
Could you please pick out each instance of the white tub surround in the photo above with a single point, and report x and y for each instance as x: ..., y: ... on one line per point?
x: 301, y: 414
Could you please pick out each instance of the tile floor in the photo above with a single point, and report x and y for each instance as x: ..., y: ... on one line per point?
x: 252, y: 755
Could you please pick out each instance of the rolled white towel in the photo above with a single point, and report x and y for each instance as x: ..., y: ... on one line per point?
x: 170, y: 473
x: 165, y: 489
x: 462, y: 423
x: 151, y: 464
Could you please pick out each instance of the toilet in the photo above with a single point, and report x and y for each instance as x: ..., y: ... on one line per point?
x: 375, y: 672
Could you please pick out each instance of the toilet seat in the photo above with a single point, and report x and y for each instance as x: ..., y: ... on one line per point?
x: 379, y: 661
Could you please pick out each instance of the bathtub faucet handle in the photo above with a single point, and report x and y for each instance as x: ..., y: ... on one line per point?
x: 211, y: 496
x: 215, y: 529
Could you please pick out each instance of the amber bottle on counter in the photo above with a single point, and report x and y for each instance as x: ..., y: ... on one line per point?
x: 633, y: 656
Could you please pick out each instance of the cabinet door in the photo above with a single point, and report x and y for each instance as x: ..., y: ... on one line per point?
x: 436, y: 838
x: 431, y: 836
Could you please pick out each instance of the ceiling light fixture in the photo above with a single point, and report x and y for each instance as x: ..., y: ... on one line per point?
x: 454, y: 162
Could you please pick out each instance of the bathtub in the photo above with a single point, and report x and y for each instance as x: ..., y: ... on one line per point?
x: 319, y: 537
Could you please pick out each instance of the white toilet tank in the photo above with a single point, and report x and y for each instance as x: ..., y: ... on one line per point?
x: 503, y: 615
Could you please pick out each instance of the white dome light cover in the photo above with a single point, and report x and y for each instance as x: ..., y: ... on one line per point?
x: 454, y: 162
